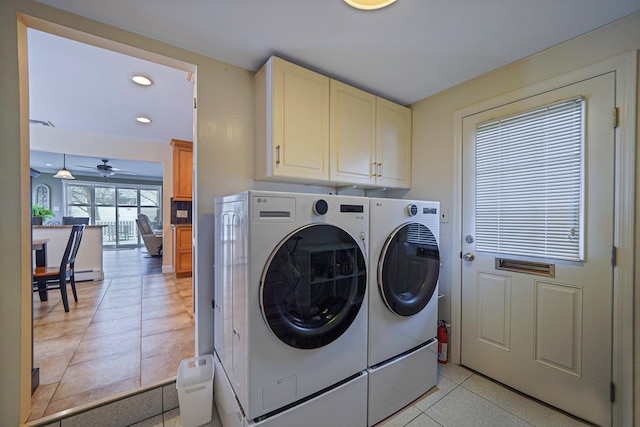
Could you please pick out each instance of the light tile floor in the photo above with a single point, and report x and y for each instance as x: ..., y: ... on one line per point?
x: 461, y: 398
x: 123, y: 333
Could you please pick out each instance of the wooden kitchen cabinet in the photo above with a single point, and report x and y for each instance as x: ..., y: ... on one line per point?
x: 292, y: 123
x: 182, y: 170
x: 182, y: 250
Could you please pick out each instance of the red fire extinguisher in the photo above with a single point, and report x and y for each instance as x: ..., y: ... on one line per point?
x: 443, y: 341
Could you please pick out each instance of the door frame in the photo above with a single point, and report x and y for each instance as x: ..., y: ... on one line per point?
x: 33, y: 19
x: 625, y: 67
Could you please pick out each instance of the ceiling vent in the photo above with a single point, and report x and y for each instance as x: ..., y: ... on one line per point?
x: 41, y: 122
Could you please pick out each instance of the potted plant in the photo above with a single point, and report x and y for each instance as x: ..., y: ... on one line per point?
x: 42, y: 212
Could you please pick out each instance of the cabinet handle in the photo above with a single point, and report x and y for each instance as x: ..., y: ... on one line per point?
x: 379, y: 169
x: 277, y: 154
x: 373, y: 169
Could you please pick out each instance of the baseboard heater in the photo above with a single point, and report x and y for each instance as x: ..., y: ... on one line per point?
x: 527, y: 267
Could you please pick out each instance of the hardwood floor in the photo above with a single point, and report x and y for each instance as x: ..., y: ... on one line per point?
x: 130, y: 330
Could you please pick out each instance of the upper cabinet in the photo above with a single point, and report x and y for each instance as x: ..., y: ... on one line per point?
x: 393, y: 145
x: 353, y: 135
x: 312, y: 129
x: 292, y: 125
x: 182, y: 170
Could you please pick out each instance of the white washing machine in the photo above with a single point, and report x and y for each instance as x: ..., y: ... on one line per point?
x: 404, y: 266
x: 290, y: 306
x: 343, y: 405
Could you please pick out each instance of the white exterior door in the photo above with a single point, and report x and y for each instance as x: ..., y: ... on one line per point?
x: 547, y: 336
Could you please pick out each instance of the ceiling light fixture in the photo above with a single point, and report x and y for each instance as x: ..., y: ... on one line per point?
x: 369, y: 4
x: 143, y: 119
x: 105, y: 173
x: 142, y: 80
x: 64, y: 173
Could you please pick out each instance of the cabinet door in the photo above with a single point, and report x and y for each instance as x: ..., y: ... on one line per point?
x: 182, y: 247
x: 182, y: 170
x: 393, y: 144
x: 353, y: 135
x: 183, y: 239
x: 296, y: 131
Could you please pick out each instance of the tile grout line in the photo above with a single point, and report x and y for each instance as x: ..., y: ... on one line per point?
x: 83, y: 331
x: 496, y: 404
x: 444, y: 396
x: 75, y: 351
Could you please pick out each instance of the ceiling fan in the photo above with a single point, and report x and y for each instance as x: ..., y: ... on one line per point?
x: 105, y: 170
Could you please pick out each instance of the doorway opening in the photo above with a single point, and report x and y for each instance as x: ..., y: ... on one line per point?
x: 131, y: 328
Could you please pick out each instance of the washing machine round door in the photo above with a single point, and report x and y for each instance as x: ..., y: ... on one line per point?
x: 312, y: 286
x: 408, y: 269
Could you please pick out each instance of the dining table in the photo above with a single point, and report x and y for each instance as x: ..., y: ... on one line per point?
x: 39, y: 246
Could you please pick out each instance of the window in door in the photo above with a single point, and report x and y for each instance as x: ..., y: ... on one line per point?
x: 529, y: 192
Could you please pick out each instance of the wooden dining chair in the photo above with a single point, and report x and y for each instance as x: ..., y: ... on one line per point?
x: 45, y: 278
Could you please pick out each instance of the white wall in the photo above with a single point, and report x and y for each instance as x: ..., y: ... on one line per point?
x: 223, y: 161
x: 15, y: 251
x: 223, y: 156
x: 433, y: 133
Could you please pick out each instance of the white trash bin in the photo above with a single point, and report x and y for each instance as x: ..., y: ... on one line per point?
x: 195, y: 390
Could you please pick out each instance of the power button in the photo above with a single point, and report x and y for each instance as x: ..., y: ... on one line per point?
x: 320, y: 207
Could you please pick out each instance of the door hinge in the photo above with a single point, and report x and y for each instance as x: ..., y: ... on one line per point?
x: 614, y: 255
x: 612, y: 392
x: 616, y: 117
x: 195, y: 103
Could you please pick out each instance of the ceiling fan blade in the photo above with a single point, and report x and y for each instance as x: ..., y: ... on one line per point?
x: 86, y: 167
x: 126, y: 173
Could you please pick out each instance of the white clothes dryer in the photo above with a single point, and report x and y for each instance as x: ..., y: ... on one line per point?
x: 404, y: 266
x: 290, y: 306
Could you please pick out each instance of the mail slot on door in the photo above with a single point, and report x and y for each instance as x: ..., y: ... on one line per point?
x: 527, y: 267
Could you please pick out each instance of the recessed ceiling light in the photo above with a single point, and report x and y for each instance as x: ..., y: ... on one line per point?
x: 143, y: 119
x: 48, y: 164
x: 141, y: 80
x: 369, y: 4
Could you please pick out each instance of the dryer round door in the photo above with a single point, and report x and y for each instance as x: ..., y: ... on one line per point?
x: 408, y: 269
x: 312, y: 286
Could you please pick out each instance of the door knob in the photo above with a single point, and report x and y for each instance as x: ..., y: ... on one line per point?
x: 468, y: 256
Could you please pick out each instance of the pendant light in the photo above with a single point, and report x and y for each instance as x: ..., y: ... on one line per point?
x: 64, y: 173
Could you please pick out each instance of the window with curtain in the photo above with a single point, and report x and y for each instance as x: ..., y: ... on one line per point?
x: 529, y: 182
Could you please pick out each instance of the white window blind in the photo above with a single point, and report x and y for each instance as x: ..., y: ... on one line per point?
x: 529, y: 182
